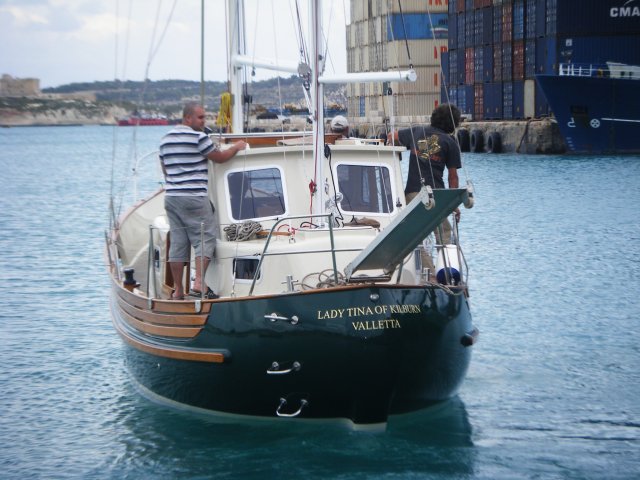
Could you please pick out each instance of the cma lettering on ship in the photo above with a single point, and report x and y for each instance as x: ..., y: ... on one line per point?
x: 625, y: 11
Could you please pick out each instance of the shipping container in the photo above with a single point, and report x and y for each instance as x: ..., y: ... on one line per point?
x: 487, y: 75
x: 507, y: 61
x: 518, y: 60
x: 518, y: 100
x: 478, y: 102
x: 529, y: 98
x: 497, y: 24
x: 469, y: 65
x: 445, y: 81
x: 487, y: 20
x: 453, y: 32
x: 507, y: 22
x: 530, y: 58
x: 507, y: 100
x: 465, y: 99
x: 478, y: 27
x: 451, y: 97
x: 478, y: 64
x: 453, y: 7
x: 551, y: 17
x: 497, y: 62
x: 452, y: 60
x: 546, y: 55
x: 470, y: 20
x: 417, y: 26
x: 423, y: 52
x: 542, y: 107
x: 493, y: 101
x: 428, y: 81
x: 530, y: 18
x: 461, y: 28
x: 384, y: 7
x: 541, y: 16
x: 518, y: 19
x: 415, y: 104
x: 461, y: 65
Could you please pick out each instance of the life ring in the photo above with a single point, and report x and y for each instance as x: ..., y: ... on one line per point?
x: 494, y: 143
x: 463, y: 139
x: 477, y: 141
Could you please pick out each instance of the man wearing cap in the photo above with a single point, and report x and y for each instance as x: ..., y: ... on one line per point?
x: 340, y: 125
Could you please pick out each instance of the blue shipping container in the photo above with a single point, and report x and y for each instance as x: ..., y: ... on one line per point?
x: 497, y: 23
x: 416, y: 26
x: 530, y: 58
x: 518, y: 20
x: 453, y: 33
x: 488, y: 64
x: 507, y: 100
x: 465, y: 99
x: 493, y: 101
x: 444, y: 63
x: 518, y: 99
x: 542, y: 107
x: 546, y: 55
x: 461, y: 29
x: 507, y: 61
x: 487, y: 27
x: 541, y: 13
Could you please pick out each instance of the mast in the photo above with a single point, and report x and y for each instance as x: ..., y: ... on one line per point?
x: 236, y: 41
x: 317, y: 102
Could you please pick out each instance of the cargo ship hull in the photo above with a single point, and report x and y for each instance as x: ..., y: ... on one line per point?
x: 595, y: 114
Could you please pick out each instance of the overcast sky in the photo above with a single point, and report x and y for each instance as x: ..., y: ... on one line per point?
x: 66, y: 41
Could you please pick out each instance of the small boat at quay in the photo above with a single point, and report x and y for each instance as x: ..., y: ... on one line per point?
x: 324, y: 310
x: 134, y: 121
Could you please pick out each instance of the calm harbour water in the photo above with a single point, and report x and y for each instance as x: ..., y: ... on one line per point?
x: 553, y: 245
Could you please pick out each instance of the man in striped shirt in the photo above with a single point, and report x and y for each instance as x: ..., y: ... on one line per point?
x: 184, y: 154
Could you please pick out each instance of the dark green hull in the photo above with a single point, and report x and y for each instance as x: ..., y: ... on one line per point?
x: 362, y: 353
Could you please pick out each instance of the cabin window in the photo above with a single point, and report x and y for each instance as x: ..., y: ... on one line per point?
x: 245, y: 268
x: 256, y: 193
x: 365, y: 188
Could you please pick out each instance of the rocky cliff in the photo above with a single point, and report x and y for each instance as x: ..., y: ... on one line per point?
x: 25, y: 111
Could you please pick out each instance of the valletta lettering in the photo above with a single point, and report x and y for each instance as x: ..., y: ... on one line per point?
x: 376, y: 324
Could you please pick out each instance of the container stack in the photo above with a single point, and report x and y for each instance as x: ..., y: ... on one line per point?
x: 497, y: 47
x: 387, y: 35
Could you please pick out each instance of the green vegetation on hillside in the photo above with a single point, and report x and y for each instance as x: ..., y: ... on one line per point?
x: 168, y: 96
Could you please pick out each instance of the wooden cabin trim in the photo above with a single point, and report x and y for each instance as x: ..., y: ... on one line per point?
x: 159, y: 306
x: 162, y: 319
x: 160, y: 330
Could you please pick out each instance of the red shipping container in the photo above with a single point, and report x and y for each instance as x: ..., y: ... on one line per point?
x: 469, y: 66
x: 518, y: 60
x: 507, y: 22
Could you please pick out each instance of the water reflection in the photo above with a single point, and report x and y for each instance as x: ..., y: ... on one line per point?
x: 174, y: 443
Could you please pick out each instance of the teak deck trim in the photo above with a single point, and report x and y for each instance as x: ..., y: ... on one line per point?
x: 175, y: 319
x: 173, y: 353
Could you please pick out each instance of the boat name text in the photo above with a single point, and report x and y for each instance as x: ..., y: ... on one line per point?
x: 362, y: 311
x: 376, y: 324
x: 624, y: 11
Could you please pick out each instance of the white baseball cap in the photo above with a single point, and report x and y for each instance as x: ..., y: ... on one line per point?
x: 339, y: 123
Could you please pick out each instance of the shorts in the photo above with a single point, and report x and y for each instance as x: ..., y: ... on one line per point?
x: 186, y: 214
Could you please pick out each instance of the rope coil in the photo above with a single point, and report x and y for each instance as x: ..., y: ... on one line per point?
x: 241, y: 232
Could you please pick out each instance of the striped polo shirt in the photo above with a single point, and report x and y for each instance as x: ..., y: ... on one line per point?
x: 183, y: 152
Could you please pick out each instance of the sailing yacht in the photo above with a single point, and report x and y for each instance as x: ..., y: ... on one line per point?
x: 325, y: 311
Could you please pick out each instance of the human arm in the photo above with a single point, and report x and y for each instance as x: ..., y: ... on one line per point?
x: 454, y: 182
x: 221, y: 156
